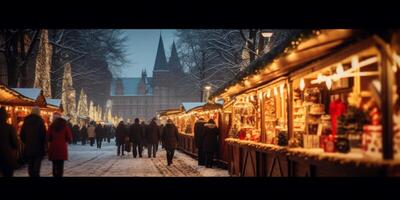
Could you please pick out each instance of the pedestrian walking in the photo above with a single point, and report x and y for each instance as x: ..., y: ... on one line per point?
x: 84, y: 134
x: 75, y: 134
x: 91, y: 130
x: 210, y: 144
x: 170, y: 140
x: 135, y: 136
x: 152, y: 138
x: 33, y: 136
x: 59, y: 135
x: 143, y: 142
x: 121, y: 134
x: 99, y: 135
x: 198, y: 140
x: 8, y: 146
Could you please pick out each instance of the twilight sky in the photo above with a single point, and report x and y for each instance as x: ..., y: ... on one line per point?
x: 141, y: 49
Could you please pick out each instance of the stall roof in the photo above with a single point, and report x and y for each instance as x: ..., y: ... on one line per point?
x: 300, y: 47
x: 9, y: 96
x: 54, y: 102
x: 32, y: 93
x: 206, y: 106
x: 190, y: 105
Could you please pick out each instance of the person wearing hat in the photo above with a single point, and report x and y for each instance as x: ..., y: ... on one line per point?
x: 33, y: 136
x: 8, y: 146
x: 59, y: 135
x: 170, y: 140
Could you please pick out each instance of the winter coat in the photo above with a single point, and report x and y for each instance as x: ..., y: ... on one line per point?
x: 91, y: 131
x: 170, y: 136
x: 8, y: 145
x: 199, y: 133
x: 120, y: 134
x: 152, y: 133
x: 144, y: 129
x: 99, y: 132
x: 83, y: 133
x: 211, y: 133
x: 58, y: 148
x: 136, y: 134
x: 75, y: 132
x: 33, y: 135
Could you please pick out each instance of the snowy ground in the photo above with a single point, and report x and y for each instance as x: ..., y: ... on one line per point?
x: 90, y: 161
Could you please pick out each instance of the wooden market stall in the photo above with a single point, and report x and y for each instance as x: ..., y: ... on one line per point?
x: 185, y: 117
x: 320, y: 103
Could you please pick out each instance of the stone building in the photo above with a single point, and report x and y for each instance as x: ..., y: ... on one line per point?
x: 141, y: 97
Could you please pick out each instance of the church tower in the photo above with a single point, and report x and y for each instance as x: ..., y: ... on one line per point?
x: 174, y: 64
x: 160, y: 70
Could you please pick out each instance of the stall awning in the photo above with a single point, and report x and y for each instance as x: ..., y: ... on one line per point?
x: 206, y: 106
x: 12, y: 97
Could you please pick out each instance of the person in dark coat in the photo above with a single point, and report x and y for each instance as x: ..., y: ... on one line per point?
x: 136, y: 138
x: 59, y: 135
x: 144, y: 142
x: 75, y: 134
x: 33, y: 136
x: 152, y: 138
x: 8, y: 146
x: 108, y: 133
x: 99, y: 135
x: 84, y: 134
x: 198, y: 140
x: 170, y: 140
x: 120, y: 135
x: 210, y: 143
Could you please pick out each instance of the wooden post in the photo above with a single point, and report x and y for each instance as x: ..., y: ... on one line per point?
x: 386, y: 104
x: 290, y: 109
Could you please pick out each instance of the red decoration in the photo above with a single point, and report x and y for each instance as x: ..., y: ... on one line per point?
x: 336, y: 108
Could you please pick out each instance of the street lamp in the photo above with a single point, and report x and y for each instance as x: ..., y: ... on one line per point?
x: 207, y: 89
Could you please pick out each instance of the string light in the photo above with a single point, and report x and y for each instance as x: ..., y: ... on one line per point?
x: 281, y: 87
x: 302, y: 84
x: 275, y: 91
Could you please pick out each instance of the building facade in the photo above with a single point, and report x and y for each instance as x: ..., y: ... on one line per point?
x: 141, y: 97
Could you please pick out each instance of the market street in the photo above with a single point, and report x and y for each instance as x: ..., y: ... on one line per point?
x: 89, y: 161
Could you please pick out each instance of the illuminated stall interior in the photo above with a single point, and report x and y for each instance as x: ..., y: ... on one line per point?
x: 319, y: 92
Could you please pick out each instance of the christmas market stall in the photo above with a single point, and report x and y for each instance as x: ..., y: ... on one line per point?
x: 192, y: 112
x: 320, y: 103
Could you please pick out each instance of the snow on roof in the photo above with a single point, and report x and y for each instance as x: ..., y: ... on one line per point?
x: 54, y: 102
x: 32, y: 93
x: 189, y: 105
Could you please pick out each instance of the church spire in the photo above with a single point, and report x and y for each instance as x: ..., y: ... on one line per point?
x: 174, y: 62
x: 161, y: 60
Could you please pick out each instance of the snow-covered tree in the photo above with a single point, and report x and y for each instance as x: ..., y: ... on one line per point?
x: 82, y: 105
x: 94, y: 54
x: 43, y: 64
x: 91, y: 110
x: 68, y: 93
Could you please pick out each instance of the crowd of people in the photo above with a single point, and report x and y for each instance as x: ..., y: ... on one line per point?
x: 39, y: 142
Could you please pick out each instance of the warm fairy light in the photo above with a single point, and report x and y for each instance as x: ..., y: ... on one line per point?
x: 302, y: 84
x: 339, y: 69
x: 275, y: 91
x: 268, y: 93
x: 328, y: 83
x: 260, y: 95
x: 281, y: 87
